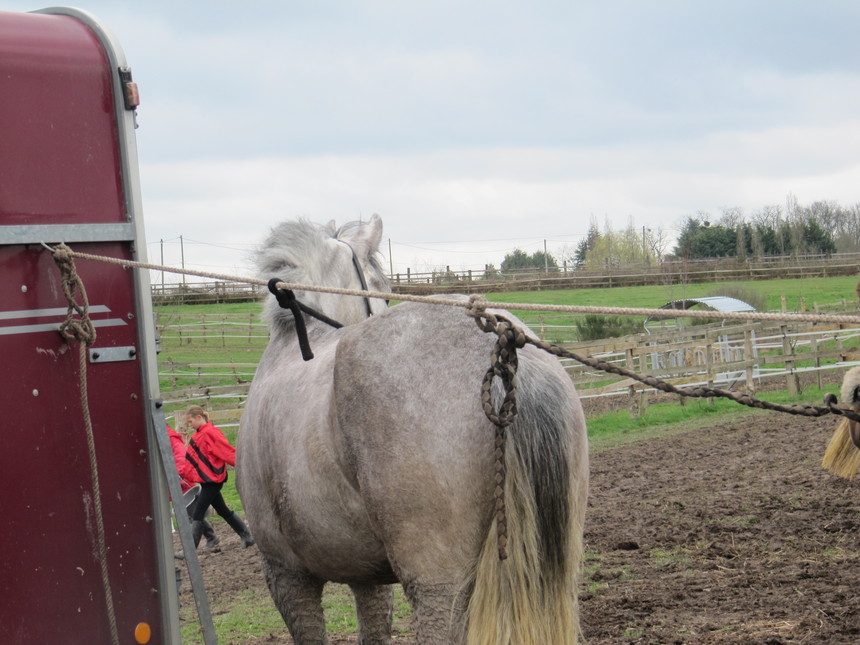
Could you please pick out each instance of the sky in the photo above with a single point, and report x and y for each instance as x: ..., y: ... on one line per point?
x: 474, y: 128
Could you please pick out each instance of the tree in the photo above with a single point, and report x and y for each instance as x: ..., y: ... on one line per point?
x: 656, y: 241
x: 612, y: 248
x: 586, y: 244
x: 699, y: 239
x: 519, y: 259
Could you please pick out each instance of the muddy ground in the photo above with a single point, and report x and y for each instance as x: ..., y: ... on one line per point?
x: 729, y: 534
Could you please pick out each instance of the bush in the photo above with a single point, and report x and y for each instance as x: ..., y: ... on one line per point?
x: 596, y: 327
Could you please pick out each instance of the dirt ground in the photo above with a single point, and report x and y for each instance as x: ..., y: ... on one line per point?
x: 729, y: 534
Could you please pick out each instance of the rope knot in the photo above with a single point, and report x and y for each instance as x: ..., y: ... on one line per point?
x: 477, y: 309
x: 80, y: 329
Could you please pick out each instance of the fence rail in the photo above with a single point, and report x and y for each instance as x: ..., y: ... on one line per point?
x: 665, y: 273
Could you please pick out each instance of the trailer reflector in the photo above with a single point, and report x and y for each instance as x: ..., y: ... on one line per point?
x: 142, y: 633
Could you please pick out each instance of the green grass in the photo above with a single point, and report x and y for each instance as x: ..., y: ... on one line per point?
x: 824, y: 291
x: 820, y: 290
x: 609, y: 430
x: 251, y: 616
x: 247, y: 617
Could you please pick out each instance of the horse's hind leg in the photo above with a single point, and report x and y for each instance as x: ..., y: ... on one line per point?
x: 374, y: 606
x: 298, y: 596
x: 438, y: 612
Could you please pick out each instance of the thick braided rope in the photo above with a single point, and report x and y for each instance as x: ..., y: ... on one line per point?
x: 848, y: 319
x: 504, y: 366
x: 82, y: 330
x: 499, y: 325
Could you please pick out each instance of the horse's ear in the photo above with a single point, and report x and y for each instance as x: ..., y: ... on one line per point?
x: 368, y: 235
x: 374, y: 232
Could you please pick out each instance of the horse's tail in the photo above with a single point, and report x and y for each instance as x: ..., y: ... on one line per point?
x: 530, y: 597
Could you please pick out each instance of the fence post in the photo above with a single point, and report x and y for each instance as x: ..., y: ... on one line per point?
x: 748, y: 358
x: 817, y: 356
x: 709, y: 367
x: 792, y: 381
x: 631, y: 390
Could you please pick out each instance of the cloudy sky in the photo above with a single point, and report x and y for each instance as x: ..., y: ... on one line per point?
x: 475, y: 127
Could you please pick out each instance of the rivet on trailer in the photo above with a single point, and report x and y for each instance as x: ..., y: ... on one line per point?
x: 86, y: 540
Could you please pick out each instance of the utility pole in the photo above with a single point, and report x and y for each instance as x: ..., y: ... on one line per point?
x: 161, y: 242
x: 390, y: 260
x: 182, y: 253
x: 644, y: 248
x: 545, y: 259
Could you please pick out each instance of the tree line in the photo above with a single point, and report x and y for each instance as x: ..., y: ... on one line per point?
x: 822, y: 227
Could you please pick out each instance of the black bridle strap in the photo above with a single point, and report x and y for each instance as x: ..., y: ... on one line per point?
x: 287, y: 300
x: 357, y: 264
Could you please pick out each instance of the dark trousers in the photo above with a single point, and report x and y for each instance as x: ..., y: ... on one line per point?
x: 210, y: 495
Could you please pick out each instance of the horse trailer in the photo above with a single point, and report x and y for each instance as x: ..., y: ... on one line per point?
x: 86, y: 544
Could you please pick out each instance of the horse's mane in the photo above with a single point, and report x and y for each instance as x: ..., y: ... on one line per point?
x: 296, y: 252
x: 289, y: 244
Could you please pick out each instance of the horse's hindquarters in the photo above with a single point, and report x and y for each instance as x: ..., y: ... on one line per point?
x: 302, y: 501
x: 423, y: 450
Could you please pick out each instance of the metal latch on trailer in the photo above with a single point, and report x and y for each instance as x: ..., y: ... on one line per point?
x: 112, y: 354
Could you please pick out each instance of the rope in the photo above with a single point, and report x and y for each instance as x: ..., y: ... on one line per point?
x: 501, y: 327
x: 503, y: 365
x: 82, y: 330
x: 504, y: 356
x: 848, y: 319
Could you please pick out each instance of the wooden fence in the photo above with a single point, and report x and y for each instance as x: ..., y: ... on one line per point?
x: 632, y: 275
x: 730, y: 357
x: 739, y: 356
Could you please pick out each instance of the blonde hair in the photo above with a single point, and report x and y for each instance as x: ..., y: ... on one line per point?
x: 196, y: 410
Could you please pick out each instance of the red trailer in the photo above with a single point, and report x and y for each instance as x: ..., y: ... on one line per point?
x: 86, y: 552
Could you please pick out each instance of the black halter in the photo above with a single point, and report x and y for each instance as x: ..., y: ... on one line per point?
x: 287, y: 300
x: 357, y: 264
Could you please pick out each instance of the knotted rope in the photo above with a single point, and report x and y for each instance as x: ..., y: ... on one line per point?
x: 499, y: 325
x: 503, y: 364
x: 81, y: 329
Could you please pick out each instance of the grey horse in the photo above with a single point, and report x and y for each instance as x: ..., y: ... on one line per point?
x: 373, y: 463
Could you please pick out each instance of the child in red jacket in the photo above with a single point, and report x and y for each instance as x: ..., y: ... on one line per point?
x: 208, y: 455
x: 177, y: 443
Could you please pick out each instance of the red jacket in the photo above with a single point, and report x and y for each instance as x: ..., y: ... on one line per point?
x: 186, y: 472
x: 209, y: 453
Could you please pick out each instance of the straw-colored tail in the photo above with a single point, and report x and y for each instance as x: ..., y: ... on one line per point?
x: 524, y: 600
x: 842, y: 458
